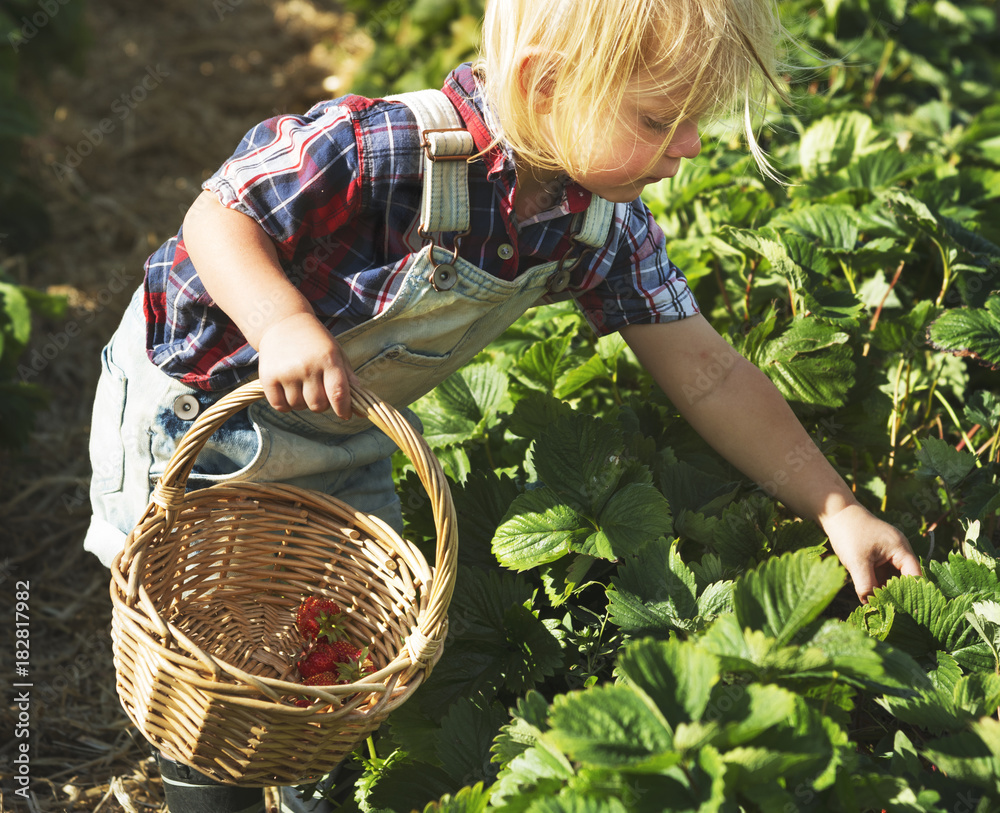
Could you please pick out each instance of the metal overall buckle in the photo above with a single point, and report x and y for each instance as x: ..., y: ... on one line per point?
x: 443, y: 276
x: 559, y: 281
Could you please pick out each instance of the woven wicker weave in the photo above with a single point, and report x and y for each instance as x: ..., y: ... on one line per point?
x: 204, y: 598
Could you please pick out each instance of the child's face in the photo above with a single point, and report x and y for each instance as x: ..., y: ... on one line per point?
x: 621, y: 163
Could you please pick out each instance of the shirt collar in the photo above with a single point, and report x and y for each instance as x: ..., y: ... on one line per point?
x: 465, y: 92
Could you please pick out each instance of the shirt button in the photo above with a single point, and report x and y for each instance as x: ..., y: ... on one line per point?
x: 186, y: 407
x: 505, y: 251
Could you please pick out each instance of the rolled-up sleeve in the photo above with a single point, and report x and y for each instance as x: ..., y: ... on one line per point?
x: 297, y: 176
x: 636, y: 283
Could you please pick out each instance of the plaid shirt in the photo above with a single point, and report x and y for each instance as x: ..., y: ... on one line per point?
x: 338, y: 190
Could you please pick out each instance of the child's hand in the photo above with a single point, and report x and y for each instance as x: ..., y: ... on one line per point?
x: 872, y: 550
x: 302, y: 366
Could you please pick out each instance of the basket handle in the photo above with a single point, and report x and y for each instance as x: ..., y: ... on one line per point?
x: 424, y: 642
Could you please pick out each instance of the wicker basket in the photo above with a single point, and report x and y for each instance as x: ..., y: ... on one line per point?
x: 204, y: 597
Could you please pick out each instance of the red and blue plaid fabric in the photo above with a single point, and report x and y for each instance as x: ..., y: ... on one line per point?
x: 338, y: 190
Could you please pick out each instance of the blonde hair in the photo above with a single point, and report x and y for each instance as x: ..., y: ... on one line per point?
x: 712, y: 57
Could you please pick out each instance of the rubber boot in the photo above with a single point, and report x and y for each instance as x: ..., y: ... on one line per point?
x: 310, y: 801
x: 188, y: 791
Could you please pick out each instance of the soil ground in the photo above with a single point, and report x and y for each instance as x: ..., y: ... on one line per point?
x: 176, y: 83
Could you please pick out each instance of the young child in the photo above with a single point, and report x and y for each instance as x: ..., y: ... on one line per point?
x: 389, y: 241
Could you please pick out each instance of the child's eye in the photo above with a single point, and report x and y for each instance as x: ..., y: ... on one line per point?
x: 661, y: 127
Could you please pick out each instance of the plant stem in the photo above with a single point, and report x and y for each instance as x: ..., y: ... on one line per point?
x: 893, y: 430
x: 881, y: 304
x: 849, y: 276
x: 945, y: 273
x: 890, y: 46
x: 958, y: 425
x: 746, y: 295
x: 722, y: 290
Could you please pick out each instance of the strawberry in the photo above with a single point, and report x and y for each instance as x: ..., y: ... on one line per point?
x: 356, y: 668
x: 318, y: 658
x: 321, y: 679
x: 319, y: 618
x: 324, y: 657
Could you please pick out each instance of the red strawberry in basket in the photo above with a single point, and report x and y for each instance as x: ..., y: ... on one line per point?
x: 356, y: 668
x: 321, y: 679
x: 324, y: 657
x: 319, y: 618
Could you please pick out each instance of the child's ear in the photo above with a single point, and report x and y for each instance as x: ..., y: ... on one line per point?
x: 536, y: 75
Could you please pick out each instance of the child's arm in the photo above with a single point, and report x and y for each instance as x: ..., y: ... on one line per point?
x: 301, y: 364
x: 737, y: 409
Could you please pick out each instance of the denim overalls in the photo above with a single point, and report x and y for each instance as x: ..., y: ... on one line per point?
x: 445, y: 312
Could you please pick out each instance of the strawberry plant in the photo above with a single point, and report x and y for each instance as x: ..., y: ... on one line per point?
x: 636, y: 627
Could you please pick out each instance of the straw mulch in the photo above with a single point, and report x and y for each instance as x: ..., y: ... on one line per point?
x: 180, y: 81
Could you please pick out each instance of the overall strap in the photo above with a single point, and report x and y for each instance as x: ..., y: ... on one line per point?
x: 596, y: 222
x: 447, y: 148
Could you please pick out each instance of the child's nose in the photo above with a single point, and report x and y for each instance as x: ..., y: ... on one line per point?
x: 686, y: 142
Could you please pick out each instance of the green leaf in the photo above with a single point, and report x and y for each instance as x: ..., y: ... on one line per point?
x: 833, y: 226
x: 481, y: 502
x: 581, y: 460
x: 634, y: 515
x: 983, y: 407
x: 942, y: 459
x: 544, y: 362
x: 952, y: 701
x: 533, y: 653
x: 747, y: 712
x: 611, y: 727
x: 810, y: 363
x: 653, y: 591
x: 580, y: 376
x: 770, y: 245
x: 677, y: 676
x: 468, y: 800
x: 528, y: 720
x: 835, y: 141
x: 882, y: 169
x: 462, y: 744
x: 536, y: 412
x: 865, y: 661
x: 971, y: 757
x: 924, y: 621
x: 562, y: 578
x: 461, y: 405
x: 970, y: 332
x: 405, y: 785
x: 538, y: 528
x: 904, y: 332
x: 960, y: 576
x: 495, y: 638
x: 833, y: 305
x: 782, y: 596
x: 742, y: 533
x: 985, y: 618
x: 751, y: 652
x: 15, y: 314
x: 571, y: 802
x: 688, y: 488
